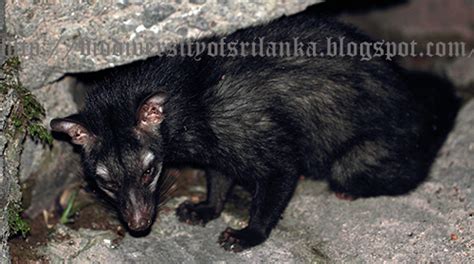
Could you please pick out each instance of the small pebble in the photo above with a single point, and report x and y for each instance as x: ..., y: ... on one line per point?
x: 197, y: 2
x: 454, y: 237
x: 108, y: 242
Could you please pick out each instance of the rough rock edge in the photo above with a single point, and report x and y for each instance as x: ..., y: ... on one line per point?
x: 10, y: 149
x: 50, y: 168
x: 56, y: 29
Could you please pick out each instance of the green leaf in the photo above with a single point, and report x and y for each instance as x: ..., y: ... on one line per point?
x: 16, y: 223
x: 68, y: 212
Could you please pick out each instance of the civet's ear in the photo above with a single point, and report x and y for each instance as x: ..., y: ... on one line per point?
x: 150, y: 112
x: 74, y: 128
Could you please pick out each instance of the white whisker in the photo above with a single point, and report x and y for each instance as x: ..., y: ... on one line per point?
x: 152, y: 185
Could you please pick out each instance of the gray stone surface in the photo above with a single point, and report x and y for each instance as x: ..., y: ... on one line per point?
x: 5, y: 107
x: 461, y: 72
x: 50, y: 168
x: 2, y: 28
x: 10, y: 149
x: 2, y: 15
x: 58, y: 29
x: 433, y: 224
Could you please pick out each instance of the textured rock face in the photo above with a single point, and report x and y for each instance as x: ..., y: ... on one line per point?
x: 461, y: 72
x: 61, y: 33
x: 6, y: 174
x: 10, y: 150
x: 50, y: 168
x: 433, y: 224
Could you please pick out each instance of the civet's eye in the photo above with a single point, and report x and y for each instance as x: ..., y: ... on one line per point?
x: 149, y: 171
x: 148, y: 175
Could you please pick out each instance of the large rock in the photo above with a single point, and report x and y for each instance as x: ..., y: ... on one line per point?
x: 433, y: 224
x: 47, y: 169
x: 57, y: 32
x: 4, y: 190
x: 10, y: 150
x: 461, y: 72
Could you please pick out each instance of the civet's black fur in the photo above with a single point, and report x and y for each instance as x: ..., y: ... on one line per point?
x: 262, y: 122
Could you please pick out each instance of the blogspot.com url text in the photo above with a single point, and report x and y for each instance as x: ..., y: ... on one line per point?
x: 259, y: 47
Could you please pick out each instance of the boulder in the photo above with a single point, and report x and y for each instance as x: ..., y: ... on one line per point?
x: 57, y: 37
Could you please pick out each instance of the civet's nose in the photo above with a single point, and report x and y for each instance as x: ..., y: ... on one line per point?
x: 137, y: 212
x: 139, y: 223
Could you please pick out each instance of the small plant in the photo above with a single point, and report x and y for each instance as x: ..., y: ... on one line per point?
x: 29, y: 112
x: 10, y: 70
x: 16, y: 223
x: 26, y: 117
x: 66, y: 216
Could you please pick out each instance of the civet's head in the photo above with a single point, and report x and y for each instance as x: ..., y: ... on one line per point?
x: 124, y: 160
